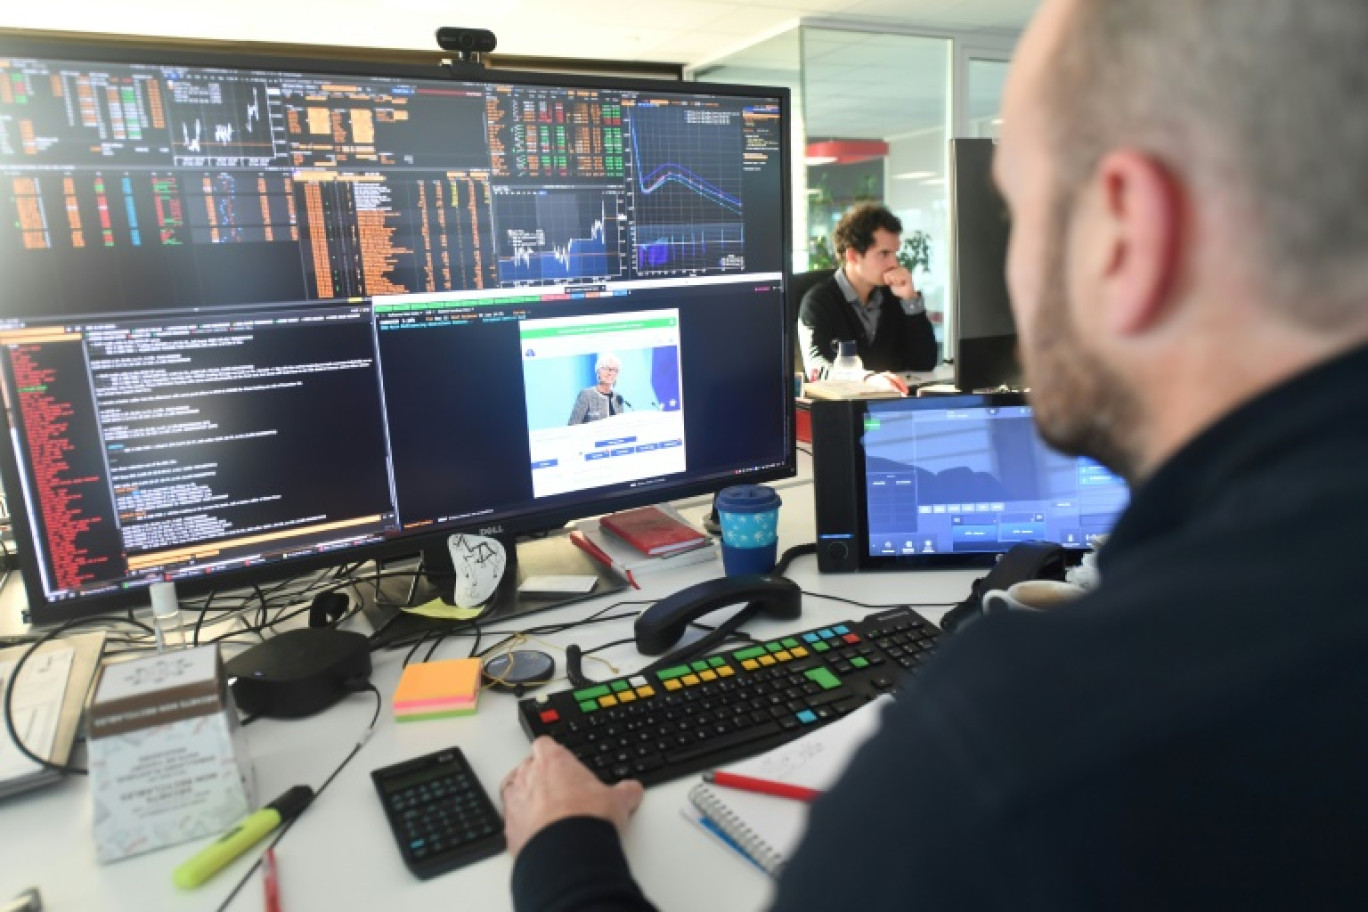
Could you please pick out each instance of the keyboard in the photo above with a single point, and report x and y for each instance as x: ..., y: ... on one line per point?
x: 704, y: 713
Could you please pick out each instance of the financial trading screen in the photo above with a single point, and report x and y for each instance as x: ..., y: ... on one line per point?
x: 260, y: 312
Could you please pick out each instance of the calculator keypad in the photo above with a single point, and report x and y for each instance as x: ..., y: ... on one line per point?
x: 441, y: 815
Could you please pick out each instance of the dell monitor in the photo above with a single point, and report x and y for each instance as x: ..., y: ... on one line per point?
x: 985, y: 332
x: 263, y: 315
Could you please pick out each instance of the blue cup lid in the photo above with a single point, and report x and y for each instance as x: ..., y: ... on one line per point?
x: 748, y: 499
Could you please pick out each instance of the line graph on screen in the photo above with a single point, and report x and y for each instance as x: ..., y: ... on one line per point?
x: 687, y: 192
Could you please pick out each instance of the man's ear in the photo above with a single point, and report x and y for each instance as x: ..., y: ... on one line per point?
x: 1141, y: 205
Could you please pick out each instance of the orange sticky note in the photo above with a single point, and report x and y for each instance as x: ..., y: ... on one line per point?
x: 431, y: 690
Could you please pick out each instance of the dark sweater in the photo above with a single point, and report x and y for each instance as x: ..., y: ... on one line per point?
x: 903, y: 342
x: 1193, y: 735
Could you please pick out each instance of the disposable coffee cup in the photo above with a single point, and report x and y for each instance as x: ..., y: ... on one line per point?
x: 749, y: 517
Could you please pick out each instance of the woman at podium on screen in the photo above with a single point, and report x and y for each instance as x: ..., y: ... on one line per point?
x: 600, y: 401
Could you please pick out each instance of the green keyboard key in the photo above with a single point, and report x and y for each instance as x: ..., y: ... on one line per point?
x: 590, y: 693
x: 823, y: 678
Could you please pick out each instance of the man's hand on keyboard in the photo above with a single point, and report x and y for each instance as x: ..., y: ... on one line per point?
x: 550, y: 785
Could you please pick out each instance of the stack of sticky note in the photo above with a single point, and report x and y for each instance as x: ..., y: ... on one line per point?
x: 435, y: 690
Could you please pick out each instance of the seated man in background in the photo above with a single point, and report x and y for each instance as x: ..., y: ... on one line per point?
x: 1189, y: 274
x: 870, y: 299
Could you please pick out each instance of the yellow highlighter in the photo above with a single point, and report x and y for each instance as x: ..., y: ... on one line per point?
x: 208, y: 861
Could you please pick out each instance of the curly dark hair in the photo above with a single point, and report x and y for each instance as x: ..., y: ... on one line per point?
x: 855, y: 230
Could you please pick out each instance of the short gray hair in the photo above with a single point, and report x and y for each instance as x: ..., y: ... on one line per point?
x: 1262, y: 100
x: 607, y: 359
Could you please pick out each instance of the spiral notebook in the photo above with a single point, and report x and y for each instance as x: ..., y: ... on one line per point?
x: 766, y: 829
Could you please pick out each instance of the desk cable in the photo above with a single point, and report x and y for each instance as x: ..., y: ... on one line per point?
x: 45, y: 763
x: 285, y: 827
x: 714, y: 636
x: 727, y: 630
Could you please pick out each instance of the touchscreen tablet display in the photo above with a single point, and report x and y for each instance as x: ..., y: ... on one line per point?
x: 953, y: 480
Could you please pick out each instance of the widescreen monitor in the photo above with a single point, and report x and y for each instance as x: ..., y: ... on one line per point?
x: 985, y: 354
x: 263, y: 315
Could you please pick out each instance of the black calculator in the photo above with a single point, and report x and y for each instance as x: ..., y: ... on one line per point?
x: 441, y: 815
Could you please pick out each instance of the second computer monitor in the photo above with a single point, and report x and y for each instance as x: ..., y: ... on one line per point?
x: 985, y: 337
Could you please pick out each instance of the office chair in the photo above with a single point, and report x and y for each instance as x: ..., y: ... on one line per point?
x: 802, y: 283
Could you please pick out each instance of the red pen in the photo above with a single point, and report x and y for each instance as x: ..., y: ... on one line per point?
x: 268, y: 873
x: 763, y: 786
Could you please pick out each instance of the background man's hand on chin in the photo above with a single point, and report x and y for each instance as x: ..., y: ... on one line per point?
x: 899, y: 281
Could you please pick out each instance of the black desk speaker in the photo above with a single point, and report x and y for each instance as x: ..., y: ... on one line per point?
x: 836, y: 486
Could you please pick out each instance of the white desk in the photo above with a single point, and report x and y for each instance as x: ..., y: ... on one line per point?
x: 341, y: 855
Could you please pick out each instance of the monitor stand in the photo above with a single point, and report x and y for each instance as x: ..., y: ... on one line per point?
x: 554, y: 555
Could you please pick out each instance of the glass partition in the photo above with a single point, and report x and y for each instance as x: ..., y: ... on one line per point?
x: 873, y: 116
x: 986, y: 78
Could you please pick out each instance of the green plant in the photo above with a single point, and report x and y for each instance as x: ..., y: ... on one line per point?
x: 915, y: 252
x: 820, y: 255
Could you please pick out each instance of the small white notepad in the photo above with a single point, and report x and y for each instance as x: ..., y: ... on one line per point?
x: 763, y: 827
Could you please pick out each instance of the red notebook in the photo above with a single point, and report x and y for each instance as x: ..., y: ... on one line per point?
x: 653, y: 531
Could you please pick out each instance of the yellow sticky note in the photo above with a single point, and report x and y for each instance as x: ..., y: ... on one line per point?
x: 439, y: 610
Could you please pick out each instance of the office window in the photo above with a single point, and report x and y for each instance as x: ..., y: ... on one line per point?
x: 986, y: 77
x: 776, y: 61
x: 871, y: 123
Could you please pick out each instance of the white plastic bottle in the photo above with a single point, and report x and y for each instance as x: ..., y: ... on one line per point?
x: 847, y: 365
x: 166, y: 616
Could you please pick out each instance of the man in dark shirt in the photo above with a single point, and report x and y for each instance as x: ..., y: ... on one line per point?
x: 1189, y: 274
x: 870, y: 300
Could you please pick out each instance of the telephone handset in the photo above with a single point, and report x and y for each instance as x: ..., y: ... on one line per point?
x: 660, y: 626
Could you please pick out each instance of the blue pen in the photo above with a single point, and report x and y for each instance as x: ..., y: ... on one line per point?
x: 713, y: 828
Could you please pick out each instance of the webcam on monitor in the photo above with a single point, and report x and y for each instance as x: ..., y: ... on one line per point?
x: 466, y: 40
